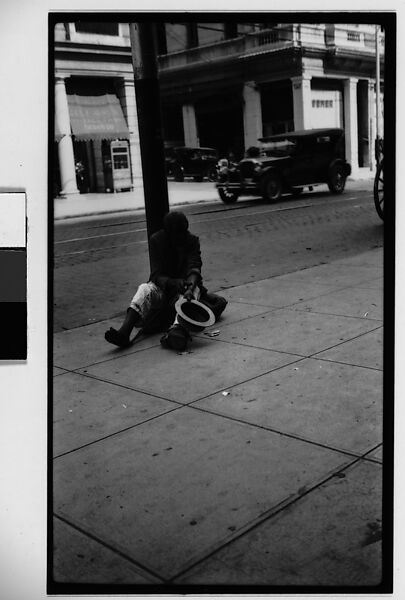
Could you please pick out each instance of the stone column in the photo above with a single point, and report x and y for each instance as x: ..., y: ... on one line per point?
x: 350, y: 120
x: 65, y: 144
x: 252, y: 114
x: 372, y: 121
x: 363, y: 124
x: 190, y: 126
x: 302, y: 102
x: 128, y: 103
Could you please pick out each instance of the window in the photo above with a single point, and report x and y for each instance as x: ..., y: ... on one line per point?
x: 102, y: 28
x: 353, y: 36
x: 176, y: 37
x: 120, y: 158
x: 210, y: 33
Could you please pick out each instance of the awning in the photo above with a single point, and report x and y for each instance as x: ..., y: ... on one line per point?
x: 97, y: 117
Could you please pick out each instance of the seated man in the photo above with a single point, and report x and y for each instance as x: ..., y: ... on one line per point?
x: 175, y: 269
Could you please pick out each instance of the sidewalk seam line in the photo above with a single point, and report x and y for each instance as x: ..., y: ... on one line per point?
x: 356, y: 337
x: 113, y: 434
x: 278, y: 432
x: 340, y: 362
x: 126, y: 387
x: 108, y: 546
x: 266, y: 516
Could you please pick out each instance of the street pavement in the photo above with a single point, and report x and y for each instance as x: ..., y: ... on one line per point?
x: 252, y: 459
x: 187, y: 192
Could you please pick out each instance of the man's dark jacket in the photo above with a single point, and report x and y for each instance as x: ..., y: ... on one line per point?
x: 169, y: 262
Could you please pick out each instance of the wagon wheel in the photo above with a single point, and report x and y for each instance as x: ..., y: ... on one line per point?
x: 379, y: 190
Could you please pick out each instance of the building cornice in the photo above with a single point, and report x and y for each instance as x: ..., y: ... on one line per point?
x: 80, y: 51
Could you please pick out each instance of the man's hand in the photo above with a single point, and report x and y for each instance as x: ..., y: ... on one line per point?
x: 188, y: 294
x: 191, y: 284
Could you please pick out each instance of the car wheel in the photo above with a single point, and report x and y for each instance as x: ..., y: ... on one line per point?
x: 337, y: 179
x: 271, y: 188
x: 228, y: 196
x: 198, y: 178
x: 178, y: 174
x: 379, y: 191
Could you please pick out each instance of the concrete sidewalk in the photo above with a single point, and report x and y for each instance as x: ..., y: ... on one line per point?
x: 180, y: 194
x: 255, y: 458
x: 83, y: 205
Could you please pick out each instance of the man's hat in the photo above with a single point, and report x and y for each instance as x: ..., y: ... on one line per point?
x: 193, y: 314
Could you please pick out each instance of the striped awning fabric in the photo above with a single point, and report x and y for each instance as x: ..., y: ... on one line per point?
x: 97, y: 117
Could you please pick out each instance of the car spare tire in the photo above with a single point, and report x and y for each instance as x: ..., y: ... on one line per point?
x: 228, y: 196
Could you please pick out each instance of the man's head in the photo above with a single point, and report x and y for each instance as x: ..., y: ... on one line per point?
x: 175, y: 225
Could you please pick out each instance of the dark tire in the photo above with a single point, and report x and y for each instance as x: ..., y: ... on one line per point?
x: 271, y: 188
x: 178, y: 174
x: 379, y: 190
x: 337, y: 179
x: 228, y: 196
x: 198, y: 178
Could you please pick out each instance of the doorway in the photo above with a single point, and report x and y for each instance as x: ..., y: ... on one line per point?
x: 220, y: 124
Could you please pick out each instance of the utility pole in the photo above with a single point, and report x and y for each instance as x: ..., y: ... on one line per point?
x: 144, y: 59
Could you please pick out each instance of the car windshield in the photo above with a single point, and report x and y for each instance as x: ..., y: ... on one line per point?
x: 279, y: 148
x: 208, y: 154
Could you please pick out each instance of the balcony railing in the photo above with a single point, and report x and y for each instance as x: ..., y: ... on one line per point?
x: 282, y: 36
x: 262, y: 40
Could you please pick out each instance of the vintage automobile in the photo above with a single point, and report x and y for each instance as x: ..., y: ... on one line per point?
x: 286, y: 163
x: 184, y: 162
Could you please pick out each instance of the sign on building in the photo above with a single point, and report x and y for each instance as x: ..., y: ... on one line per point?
x: 327, y: 108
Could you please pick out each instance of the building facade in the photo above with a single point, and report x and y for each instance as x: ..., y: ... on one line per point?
x: 222, y: 85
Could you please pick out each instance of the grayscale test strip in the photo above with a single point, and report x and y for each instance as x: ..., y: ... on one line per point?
x: 13, y: 276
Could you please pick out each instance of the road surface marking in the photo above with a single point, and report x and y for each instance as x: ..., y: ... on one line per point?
x: 97, y: 249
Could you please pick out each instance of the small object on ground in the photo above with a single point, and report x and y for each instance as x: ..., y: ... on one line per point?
x: 226, y: 393
x: 212, y: 333
x: 176, y: 338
